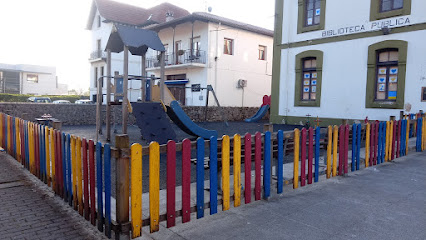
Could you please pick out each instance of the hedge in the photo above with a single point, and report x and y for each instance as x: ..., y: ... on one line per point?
x: 7, y: 97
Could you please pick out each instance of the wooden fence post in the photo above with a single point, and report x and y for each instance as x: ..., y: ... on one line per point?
x: 122, y: 188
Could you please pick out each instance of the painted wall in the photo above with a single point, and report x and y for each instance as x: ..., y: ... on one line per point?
x: 353, y: 14
x: 224, y: 71
x: 244, y: 64
x: 47, y: 80
x: 103, y: 33
x: 344, y: 73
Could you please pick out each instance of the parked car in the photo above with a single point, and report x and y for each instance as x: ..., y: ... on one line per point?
x: 39, y: 99
x: 83, y: 101
x: 61, y: 102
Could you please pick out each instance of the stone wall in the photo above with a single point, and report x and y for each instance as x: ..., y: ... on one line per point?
x: 76, y: 114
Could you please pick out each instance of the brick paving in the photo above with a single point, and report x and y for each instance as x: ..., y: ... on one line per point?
x: 30, y: 210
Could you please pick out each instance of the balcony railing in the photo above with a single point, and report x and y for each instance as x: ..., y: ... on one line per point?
x: 98, y: 54
x: 181, y: 57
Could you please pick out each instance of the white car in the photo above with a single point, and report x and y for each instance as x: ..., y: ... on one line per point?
x: 61, y: 102
x: 83, y: 101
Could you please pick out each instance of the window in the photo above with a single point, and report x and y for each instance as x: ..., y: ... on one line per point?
x: 389, y: 5
x: 423, y: 94
x: 96, y: 77
x: 228, y: 46
x: 312, y: 12
x: 308, y: 78
x: 262, y: 52
x: 98, y: 45
x: 102, y: 74
x: 380, y: 9
x: 99, y: 21
x: 196, y: 46
x: 386, y: 74
x: 309, y: 75
x: 32, y: 78
x: 311, y: 15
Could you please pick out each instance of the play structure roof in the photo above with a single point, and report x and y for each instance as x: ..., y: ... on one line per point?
x: 138, y: 40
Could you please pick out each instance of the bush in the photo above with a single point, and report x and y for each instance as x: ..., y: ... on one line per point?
x: 7, y: 97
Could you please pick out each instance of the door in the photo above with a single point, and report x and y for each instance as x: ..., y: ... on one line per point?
x: 178, y: 90
x: 178, y: 52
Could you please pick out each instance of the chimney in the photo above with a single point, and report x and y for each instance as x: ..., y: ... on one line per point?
x: 169, y: 16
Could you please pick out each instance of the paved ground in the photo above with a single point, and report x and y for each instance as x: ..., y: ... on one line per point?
x: 29, y: 210
x: 383, y: 202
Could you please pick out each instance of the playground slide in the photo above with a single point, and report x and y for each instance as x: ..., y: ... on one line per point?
x: 178, y: 116
x: 258, y: 115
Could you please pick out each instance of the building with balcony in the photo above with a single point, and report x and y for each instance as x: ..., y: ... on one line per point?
x: 361, y: 59
x: 30, y: 79
x: 201, y: 49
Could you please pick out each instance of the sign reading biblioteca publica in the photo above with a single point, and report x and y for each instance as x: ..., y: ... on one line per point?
x: 376, y: 25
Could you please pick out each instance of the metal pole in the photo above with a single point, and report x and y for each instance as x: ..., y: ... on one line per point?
x: 98, y: 109
x: 217, y: 102
x: 207, y: 105
x: 125, y: 86
x: 108, y: 96
x: 122, y: 187
x: 143, y: 73
x: 162, y: 75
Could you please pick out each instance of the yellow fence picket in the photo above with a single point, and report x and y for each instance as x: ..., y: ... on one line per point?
x: 296, y: 159
x: 335, y: 141
x: 154, y: 186
x: 136, y: 189
x: 367, y: 145
x: 329, y: 148
x: 225, y: 172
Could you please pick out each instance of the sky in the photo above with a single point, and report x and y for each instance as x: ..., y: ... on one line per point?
x: 52, y: 32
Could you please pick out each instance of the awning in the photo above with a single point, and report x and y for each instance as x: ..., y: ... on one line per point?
x: 183, y: 81
x: 138, y: 40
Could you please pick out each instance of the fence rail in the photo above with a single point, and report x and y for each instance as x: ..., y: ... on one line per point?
x: 79, y: 170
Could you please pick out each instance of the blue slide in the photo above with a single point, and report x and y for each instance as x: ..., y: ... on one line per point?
x: 178, y: 116
x: 258, y: 115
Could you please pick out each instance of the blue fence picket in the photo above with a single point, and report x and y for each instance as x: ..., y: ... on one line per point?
x: 402, y: 138
x: 354, y: 141
x: 69, y: 168
x: 200, y: 178
x: 280, y: 142
x: 213, y: 175
x: 13, y: 137
x: 99, y: 184
x: 107, y: 174
x: 27, y: 151
x: 64, y: 165
x: 40, y: 151
x: 317, y: 152
x: 358, y: 145
x: 382, y: 146
x: 379, y: 142
x: 384, y: 142
x: 267, y: 165
x: 419, y: 135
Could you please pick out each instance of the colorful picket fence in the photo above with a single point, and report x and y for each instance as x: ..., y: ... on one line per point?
x: 66, y: 163
x: 383, y: 141
x: 79, y: 170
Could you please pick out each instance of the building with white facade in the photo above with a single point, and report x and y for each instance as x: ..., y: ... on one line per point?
x: 348, y: 60
x: 201, y: 49
x: 30, y: 79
